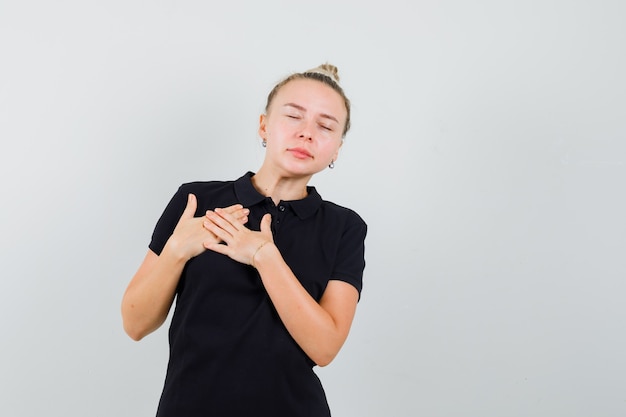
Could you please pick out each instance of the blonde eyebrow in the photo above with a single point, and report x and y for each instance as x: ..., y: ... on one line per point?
x: 299, y: 107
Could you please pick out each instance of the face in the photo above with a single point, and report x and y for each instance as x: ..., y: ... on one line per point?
x: 303, y: 127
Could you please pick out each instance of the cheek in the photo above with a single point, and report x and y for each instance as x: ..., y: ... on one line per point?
x: 332, y: 148
x: 284, y: 126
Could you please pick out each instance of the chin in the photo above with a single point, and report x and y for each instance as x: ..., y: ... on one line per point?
x: 299, y: 170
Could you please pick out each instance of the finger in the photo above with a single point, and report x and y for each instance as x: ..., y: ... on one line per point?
x: 219, y: 227
x: 231, y: 209
x: 242, y: 216
x: 234, y: 208
x: 190, y: 209
x: 217, y: 247
x: 266, y: 224
x: 243, y: 219
x: 231, y: 221
x: 237, y: 210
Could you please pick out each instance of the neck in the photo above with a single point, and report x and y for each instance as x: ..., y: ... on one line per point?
x: 280, y: 188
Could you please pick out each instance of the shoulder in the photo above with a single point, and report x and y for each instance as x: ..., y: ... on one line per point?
x: 335, y: 209
x: 209, y: 194
x: 345, y: 214
x: 202, y: 187
x: 241, y: 187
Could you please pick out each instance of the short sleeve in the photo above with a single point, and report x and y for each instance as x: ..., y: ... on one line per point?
x: 168, y: 220
x: 350, y: 260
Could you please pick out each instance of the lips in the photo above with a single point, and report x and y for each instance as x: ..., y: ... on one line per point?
x: 300, y: 153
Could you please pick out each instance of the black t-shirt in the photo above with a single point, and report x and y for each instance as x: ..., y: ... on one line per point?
x: 230, y: 354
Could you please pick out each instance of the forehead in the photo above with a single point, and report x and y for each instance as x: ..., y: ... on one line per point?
x: 313, y: 95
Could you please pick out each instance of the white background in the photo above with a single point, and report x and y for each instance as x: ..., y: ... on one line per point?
x: 487, y: 155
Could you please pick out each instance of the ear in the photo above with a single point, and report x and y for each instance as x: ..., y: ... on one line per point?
x: 263, y: 126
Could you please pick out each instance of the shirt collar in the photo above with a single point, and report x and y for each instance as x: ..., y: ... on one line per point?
x: 249, y: 196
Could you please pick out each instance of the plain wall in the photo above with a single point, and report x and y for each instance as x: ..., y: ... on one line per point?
x: 487, y: 155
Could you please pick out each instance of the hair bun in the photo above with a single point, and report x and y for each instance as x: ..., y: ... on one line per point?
x: 328, y: 70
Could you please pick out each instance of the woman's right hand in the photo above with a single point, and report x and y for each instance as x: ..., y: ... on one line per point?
x: 190, y: 237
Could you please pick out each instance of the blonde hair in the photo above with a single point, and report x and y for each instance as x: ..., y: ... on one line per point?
x: 325, y: 73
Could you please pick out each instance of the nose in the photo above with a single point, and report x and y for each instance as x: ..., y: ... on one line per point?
x: 305, y: 132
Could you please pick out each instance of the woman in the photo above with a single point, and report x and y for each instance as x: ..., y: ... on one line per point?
x: 265, y: 273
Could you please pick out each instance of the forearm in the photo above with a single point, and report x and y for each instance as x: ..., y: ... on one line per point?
x: 150, y: 294
x: 314, y: 328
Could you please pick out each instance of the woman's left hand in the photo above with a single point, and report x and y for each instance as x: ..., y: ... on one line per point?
x: 241, y: 243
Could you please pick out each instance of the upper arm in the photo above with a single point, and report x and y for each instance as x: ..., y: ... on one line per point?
x: 339, y: 301
x: 144, y: 306
x: 148, y: 263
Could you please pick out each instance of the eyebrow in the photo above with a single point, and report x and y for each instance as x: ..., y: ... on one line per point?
x: 299, y: 107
